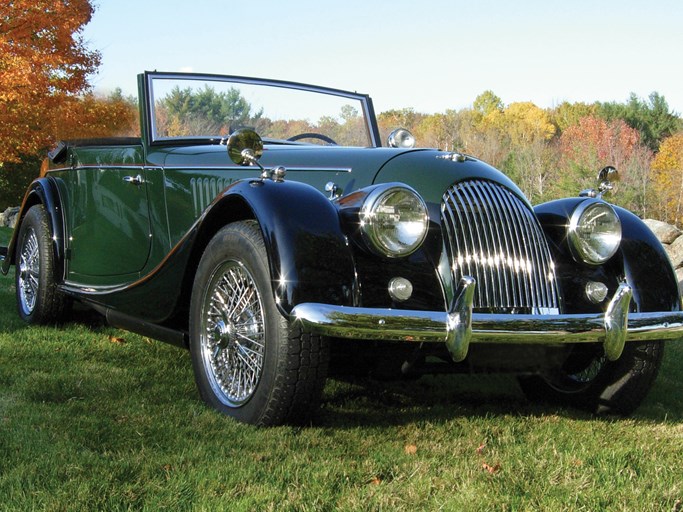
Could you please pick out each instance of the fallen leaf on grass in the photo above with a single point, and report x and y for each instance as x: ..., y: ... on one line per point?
x: 410, y: 449
x: 117, y: 339
x: 375, y: 480
x: 491, y: 469
x: 480, y: 448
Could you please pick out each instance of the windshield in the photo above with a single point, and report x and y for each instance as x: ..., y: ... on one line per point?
x: 198, y: 106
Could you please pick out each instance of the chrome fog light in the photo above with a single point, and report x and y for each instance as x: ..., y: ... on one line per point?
x: 394, y: 220
x: 594, y: 232
x: 400, y: 289
x: 596, y: 292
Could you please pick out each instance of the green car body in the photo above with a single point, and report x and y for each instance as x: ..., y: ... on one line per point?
x: 430, y: 260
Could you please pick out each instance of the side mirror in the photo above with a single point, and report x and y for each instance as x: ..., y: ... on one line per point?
x: 245, y: 147
x: 605, y: 177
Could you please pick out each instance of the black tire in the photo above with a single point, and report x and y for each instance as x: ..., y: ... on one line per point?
x: 38, y: 299
x: 597, y: 385
x: 248, y: 362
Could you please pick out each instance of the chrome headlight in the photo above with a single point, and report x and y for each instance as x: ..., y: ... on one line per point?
x: 394, y: 220
x: 594, y: 232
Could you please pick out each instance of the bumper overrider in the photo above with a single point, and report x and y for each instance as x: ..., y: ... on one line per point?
x: 459, y: 327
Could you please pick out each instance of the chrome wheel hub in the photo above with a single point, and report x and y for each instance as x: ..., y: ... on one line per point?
x: 232, y: 334
x: 28, y: 272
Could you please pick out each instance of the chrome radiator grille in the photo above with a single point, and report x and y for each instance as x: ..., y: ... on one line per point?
x: 492, y: 236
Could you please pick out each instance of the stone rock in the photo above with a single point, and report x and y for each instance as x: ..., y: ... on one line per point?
x: 679, y: 278
x: 675, y: 252
x: 9, y: 216
x: 666, y: 233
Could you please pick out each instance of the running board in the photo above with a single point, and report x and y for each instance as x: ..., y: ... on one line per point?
x: 138, y: 326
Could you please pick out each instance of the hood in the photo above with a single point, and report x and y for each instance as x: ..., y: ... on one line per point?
x: 428, y: 171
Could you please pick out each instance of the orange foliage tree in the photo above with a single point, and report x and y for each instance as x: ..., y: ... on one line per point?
x: 90, y: 116
x: 43, y: 63
x: 593, y: 143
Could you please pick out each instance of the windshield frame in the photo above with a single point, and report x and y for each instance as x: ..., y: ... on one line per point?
x: 148, y: 104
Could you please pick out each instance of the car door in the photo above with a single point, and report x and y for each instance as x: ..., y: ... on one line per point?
x: 109, y: 234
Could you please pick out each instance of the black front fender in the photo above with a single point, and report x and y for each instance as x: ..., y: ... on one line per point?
x: 41, y: 191
x: 646, y: 266
x: 310, y: 259
x: 641, y: 259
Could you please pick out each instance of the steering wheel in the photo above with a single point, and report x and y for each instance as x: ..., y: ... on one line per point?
x: 312, y: 135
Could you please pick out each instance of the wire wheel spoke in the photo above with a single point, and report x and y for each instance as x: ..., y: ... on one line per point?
x: 233, y: 334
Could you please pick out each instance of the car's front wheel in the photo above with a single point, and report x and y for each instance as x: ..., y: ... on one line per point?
x: 589, y: 381
x: 249, y: 363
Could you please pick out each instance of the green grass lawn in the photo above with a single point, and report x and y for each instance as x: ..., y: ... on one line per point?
x: 93, y: 418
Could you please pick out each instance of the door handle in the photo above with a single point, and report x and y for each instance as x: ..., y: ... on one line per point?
x: 134, y: 180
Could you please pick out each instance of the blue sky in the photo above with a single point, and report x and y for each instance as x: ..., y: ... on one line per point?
x: 430, y: 55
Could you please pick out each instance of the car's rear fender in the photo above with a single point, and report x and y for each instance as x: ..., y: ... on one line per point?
x: 41, y: 191
x: 310, y: 259
x: 641, y: 260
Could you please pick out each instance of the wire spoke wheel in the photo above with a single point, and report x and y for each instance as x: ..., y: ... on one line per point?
x: 39, y: 300
x: 233, y: 334
x: 29, y: 271
x: 249, y: 362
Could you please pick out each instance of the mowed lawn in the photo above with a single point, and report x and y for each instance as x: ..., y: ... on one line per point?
x: 94, y: 418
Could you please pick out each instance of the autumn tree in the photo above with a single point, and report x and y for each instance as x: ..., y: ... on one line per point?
x: 487, y: 103
x: 43, y: 63
x: 398, y: 118
x: 594, y: 143
x: 93, y: 116
x: 667, y: 177
x: 569, y: 114
x: 441, y: 131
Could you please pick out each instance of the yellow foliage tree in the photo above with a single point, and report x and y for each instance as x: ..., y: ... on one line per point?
x: 525, y: 123
x: 667, y: 177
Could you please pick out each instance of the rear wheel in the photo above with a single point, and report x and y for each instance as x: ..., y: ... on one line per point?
x: 38, y: 299
x: 249, y: 363
x: 591, y: 382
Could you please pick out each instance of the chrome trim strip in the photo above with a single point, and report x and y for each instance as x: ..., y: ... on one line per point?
x: 103, y: 167
x: 613, y: 328
x: 241, y: 168
x: 198, y: 168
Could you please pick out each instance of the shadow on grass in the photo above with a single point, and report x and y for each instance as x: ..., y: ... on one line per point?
x: 443, y: 398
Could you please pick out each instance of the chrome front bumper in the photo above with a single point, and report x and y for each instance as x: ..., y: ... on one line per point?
x: 460, y: 327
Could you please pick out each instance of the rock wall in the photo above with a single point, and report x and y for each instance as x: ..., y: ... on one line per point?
x: 8, y: 218
x: 672, y: 240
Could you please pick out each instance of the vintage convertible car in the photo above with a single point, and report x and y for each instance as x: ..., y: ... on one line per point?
x: 262, y: 225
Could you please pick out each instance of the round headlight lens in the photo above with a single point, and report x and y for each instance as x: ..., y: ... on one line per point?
x: 594, y: 232
x: 394, y: 220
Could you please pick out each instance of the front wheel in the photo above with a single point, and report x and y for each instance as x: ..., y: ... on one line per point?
x: 589, y: 381
x: 248, y: 362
